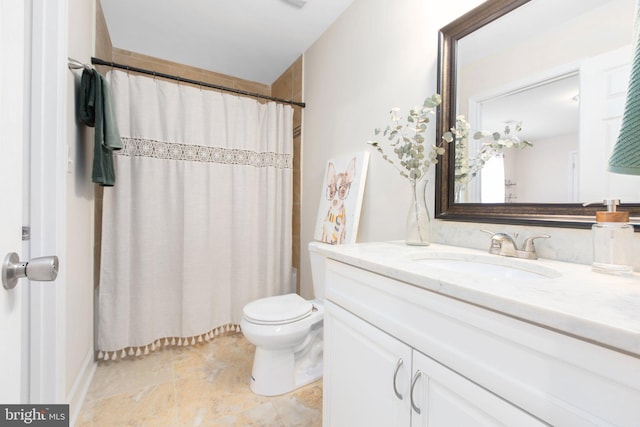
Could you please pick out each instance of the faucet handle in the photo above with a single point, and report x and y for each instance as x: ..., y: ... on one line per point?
x: 529, y: 248
x: 494, y: 245
x: 502, y: 244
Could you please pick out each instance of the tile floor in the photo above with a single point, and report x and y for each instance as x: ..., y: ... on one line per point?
x: 202, y: 385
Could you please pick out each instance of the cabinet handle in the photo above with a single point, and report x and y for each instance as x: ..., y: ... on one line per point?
x: 415, y: 379
x: 395, y: 376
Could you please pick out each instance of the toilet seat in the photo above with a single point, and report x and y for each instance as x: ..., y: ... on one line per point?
x: 277, y: 310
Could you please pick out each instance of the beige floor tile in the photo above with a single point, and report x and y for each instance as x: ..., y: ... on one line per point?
x: 202, y: 385
x: 310, y: 395
x: 263, y: 415
x: 152, y: 405
x: 130, y: 374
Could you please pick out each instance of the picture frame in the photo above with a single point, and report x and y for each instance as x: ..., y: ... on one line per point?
x: 341, y: 199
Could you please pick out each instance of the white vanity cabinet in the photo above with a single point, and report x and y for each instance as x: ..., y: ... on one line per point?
x: 461, y: 364
x: 369, y: 381
x: 441, y: 397
x: 377, y: 380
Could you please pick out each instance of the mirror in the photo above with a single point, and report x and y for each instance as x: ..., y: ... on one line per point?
x: 558, y: 71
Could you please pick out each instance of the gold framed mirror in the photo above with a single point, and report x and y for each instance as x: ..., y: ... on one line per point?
x: 477, y: 34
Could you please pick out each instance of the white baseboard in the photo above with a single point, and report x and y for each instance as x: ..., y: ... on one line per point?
x: 80, y: 387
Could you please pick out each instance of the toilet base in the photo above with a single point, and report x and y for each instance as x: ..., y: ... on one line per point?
x: 277, y: 372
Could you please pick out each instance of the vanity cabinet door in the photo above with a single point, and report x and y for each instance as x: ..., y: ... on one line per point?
x: 366, y: 374
x: 441, y: 397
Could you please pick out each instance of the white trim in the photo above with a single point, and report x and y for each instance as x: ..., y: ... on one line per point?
x: 523, y: 84
x: 13, y: 326
x: 80, y: 387
x: 48, y: 196
x: 475, y: 103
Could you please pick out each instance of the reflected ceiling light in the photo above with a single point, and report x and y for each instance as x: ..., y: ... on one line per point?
x: 297, y: 3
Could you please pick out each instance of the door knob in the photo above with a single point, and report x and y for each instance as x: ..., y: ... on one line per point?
x: 43, y: 269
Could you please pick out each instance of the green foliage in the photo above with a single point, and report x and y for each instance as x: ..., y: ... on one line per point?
x: 405, y: 138
x: 492, y: 144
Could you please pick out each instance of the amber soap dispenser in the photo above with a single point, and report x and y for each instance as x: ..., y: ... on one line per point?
x: 612, y: 240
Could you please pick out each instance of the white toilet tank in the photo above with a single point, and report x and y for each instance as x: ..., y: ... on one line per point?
x: 317, y: 270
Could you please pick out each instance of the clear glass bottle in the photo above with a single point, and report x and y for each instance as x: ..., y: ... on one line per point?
x: 418, y: 219
x: 612, y: 241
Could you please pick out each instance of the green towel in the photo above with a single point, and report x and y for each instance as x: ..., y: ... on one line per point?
x: 96, y: 110
x: 625, y: 158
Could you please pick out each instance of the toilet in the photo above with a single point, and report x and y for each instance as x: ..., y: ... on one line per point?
x: 287, y: 333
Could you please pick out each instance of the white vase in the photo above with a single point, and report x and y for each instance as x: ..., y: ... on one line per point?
x: 418, y: 219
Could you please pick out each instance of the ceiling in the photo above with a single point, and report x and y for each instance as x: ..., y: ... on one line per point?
x: 255, y: 40
x: 548, y: 107
x: 545, y: 110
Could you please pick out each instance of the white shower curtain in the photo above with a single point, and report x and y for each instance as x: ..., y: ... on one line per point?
x: 199, y: 221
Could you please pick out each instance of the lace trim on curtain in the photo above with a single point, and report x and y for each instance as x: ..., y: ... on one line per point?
x: 170, y: 341
x: 138, y: 147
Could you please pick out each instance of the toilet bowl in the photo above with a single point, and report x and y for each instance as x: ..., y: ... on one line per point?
x: 287, y: 333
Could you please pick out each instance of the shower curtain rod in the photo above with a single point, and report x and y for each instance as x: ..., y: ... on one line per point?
x: 98, y: 61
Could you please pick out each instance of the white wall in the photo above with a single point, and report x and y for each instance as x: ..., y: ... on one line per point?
x: 538, y: 179
x: 80, y: 212
x: 378, y: 55
x: 552, y: 50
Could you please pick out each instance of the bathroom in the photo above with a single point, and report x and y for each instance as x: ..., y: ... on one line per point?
x: 373, y: 58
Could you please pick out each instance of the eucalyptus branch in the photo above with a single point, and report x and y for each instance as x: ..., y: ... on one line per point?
x: 493, y: 144
x: 406, y: 139
x: 414, y: 158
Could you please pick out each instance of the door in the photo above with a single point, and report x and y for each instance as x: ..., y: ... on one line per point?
x: 603, y: 92
x: 11, y: 134
x: 366, y: 373
x: 442, y: 398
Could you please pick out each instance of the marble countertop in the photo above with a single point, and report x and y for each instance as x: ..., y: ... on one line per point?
x: 599, y: 308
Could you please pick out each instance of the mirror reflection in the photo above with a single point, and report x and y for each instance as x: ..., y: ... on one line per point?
x: 559, y: 71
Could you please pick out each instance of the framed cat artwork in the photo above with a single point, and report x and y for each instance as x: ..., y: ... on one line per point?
x: 341, y: 199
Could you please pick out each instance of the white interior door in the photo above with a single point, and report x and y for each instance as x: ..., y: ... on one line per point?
x: 11, y: 135
x: 603, y: 92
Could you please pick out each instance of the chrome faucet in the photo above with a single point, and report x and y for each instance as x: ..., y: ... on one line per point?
x: 504, y: 245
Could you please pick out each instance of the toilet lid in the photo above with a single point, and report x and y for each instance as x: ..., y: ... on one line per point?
x: 279, y: 309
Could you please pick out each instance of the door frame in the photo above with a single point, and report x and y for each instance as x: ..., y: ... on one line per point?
x: 46, y: 156
x: 12, y: 82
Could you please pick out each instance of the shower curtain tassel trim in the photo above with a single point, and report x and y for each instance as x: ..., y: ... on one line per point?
x: 226, y: 329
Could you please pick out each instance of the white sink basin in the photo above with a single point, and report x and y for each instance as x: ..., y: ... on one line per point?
x: 491, y: 266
